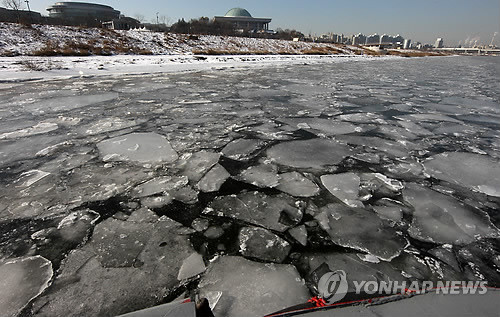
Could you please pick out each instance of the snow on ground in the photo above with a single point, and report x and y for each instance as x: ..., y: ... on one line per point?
x: 22, y: 68
x: 16, y: 39
x: 23, y: 50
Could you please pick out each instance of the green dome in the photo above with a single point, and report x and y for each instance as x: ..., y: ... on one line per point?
x: 238, y: 12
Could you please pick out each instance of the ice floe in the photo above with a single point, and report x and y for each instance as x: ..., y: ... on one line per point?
x: 345, y: 187
x: 262, y: 244
x: 22, y: 280
x: 299, y: 153
x: 251, y: 289
x: 477, y: 172
x: 142, y: 148
x: 439, y: 218
x: 295, y: 184
x: 275, y: 213
x: 360, y: 229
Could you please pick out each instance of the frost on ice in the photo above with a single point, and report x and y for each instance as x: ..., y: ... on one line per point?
x: 198, y: 164
x: 477, y: 172
x: 141, y: 261
x: 162, y: 184
x: 242, y: 149
x: 263, y: 175
x: 262, y: 244
x: 275, y: 213
x: 344, y: 186
x: 325, y: 126
x: 297, y: 185
x: 138, y: 147
x: 21, y: 280
x: 252, y: 289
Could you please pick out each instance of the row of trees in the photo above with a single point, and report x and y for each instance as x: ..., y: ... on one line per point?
x: 202, y: 25
x: 207, y: 26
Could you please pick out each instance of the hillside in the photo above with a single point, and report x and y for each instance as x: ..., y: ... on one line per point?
x: 45, y: 40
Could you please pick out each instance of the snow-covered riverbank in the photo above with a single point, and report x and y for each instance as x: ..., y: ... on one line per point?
x: 23, y: 68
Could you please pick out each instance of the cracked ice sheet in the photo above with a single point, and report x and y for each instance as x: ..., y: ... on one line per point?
x: 345, y: 187
x: 258, y: 209
x: 315, y: 125
x: 67, y: 103
x: 251, y: 289
x: 146, y: 148
x: 477, y: 172
x: 360, y: 229
x: 298, y: 153
x: 22, y: 279
x: 439, y: 218
x: 40, y: 128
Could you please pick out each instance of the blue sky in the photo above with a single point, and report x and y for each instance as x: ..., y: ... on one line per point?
x: 419, y: 20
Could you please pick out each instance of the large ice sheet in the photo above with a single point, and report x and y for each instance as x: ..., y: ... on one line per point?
x: 345, y: 187
x: 40, y: 128
x: 251, y: 289
x: 262, y: 244
x: 21, y: 280
x: 299, y: 153
x: 275, y: 213
x: 242, y: 149
x: 198, y: 164
x: 297, y: 185
x: 439, y: 218
x: 111, y: 290
x: 360, y: 229
x: 143, y: 148
x: 263, y: 175
x: 319, y: 125
x: 162, y: 184
x: 213, y: 179
x: 60, y: 104
x: 475, y: 171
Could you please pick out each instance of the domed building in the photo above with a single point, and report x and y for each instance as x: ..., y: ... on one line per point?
x: 82, y: 10
x: 243, y: 20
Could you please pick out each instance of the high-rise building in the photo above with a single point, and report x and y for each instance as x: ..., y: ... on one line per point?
x: 439, y: 43
x: 373, y: 39
x: 358, y: 39
x: 407, y: 44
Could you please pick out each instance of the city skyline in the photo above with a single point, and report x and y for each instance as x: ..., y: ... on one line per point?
x: 421, y: 21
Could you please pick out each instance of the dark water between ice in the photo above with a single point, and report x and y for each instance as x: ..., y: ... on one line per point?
x: 386, y: 168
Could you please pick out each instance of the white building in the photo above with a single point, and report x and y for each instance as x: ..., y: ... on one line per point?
x: 407, y: 44
x: 439, y: 43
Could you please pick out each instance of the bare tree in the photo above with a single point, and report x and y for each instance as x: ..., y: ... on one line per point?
x: 165, y: 20
x: 15, y: 5
x: 140, y: 18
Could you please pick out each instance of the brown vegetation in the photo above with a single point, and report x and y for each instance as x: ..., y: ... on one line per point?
x: 414, y: 53
x: 91, y: 48
x: 321, y: 50
x: 230, y: 52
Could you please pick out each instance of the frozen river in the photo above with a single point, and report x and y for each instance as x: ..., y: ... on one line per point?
x: 119, y: 193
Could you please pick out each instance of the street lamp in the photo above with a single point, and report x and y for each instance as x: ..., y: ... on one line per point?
x: 29, y: 10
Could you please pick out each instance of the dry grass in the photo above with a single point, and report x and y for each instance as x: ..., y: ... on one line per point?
x: 414, y: 53
x: 230, y: 52
x: 87, y: 49
x: 321, y: 50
